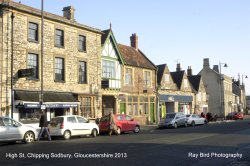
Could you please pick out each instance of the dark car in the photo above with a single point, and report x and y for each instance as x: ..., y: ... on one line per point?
x: 124, y: 123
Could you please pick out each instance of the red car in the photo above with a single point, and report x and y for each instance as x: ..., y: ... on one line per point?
x: 124, y: 123
x: 238, y: 115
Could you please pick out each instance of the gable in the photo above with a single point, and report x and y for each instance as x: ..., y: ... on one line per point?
x: 164, y: 78
x: 109, y: 47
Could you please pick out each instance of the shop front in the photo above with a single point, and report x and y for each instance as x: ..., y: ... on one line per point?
x: 174, y: 103
x: 28, y: 107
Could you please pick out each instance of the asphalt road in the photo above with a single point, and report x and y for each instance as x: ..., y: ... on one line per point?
x: 226, y: 143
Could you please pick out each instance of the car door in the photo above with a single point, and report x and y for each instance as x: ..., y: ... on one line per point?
x: 84, y: 127
x: 3, y: 130
x: 130, y: 123
x: 121, y: 122
x: 72, y: 125
x: 13, y: 131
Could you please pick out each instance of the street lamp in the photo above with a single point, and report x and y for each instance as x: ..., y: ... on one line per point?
x: 221, y: 88
x: 42, y: 52
x: 243, y: 76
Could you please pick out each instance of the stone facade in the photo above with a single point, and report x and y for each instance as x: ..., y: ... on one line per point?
x: 70, y: 52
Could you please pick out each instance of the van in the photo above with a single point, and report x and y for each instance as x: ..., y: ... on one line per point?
x: 173, y: 120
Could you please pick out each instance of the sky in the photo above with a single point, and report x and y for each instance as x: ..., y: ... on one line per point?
x: 173, y: 31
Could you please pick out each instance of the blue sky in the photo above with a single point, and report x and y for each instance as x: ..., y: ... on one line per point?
x: 173, y: 30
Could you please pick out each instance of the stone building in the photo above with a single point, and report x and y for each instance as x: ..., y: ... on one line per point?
x: 219, y: 89
x: 137, y: 96
x: 174, y: 91
x: 71, y: 63
x: 200, y: 97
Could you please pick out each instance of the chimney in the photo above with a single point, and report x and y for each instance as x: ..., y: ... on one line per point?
x: 206, y: 63
x: 178, y: 68
x: 134, y: 41
x: 68, y: 12
x: 189, y: 71
x: 216, y: 68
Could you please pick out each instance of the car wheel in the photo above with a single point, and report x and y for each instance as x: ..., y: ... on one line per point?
x: 66, y: 134
x: 29, y: 137
x: 94, y: 133
x: 175, y: 125
x: 193, y: 124
x: 137, y: 129
x: 118, y: 130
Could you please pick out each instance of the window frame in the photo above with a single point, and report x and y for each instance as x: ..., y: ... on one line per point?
x: 85, y: 71
x: 36, y: 40
x: 36, y: 76
x: 84, y: 43
x: 63, y: 69
x: 61, y: 44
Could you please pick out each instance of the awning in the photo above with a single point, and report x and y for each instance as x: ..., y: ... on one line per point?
x: 179, y: 98
x: 30, y: 99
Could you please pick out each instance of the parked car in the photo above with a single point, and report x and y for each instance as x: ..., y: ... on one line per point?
x: 174, y: 120
x: 72, y: 125
x: 124, y: 123
x: 194, y: 119
x: 11, y: 131
x: 238, y: 115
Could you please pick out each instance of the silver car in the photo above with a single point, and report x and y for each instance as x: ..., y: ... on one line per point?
x: 11, y: 130
x: 174, y: 120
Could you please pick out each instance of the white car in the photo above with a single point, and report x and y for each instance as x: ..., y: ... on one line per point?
x: 11, y: 130
x: 72, y: 125
x: 194, y: 119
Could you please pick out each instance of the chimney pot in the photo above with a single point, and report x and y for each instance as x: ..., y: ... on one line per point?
x: 68, y: 12
x: 206, y: 63
x: 134, y: 41
x: 216, y: 68
x: 178, y: 68
x: 189, y: 71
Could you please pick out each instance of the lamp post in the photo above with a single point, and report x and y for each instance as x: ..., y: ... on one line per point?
x: 221, y: 88
x: 243, y: 94
x: 42, y: 51
x: 12, y: 65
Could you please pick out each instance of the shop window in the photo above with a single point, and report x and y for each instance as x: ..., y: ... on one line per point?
x: 29, y: 115
x: 85, y: 107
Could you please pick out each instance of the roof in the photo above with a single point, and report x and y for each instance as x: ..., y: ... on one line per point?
x: 105, y: 35
x: 33, y: 96
x: 109, y: 34
x: 33, y: 11
x: 135, y: 57
x: 160, y: 72
x: 195, y: 81
x: 178, y: 77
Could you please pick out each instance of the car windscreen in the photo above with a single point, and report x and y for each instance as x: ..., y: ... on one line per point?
x: 170, y: 116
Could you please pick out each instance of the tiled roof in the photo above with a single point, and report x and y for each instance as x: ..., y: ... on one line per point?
x: 135, y: 57
x: 160, y: 72
x: 195, y: 81
x: 178, y: 77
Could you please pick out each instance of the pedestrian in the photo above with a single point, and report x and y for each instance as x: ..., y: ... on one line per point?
x: 44, y: 126
x: 112, y: 124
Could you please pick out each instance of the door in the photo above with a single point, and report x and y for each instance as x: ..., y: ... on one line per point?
x: 83, y: 126
x: 13, y: 129
x: 130, y: 123
x: 123, y: 108
x: 3, y: 130
x: 72, y: 125
x: 152, y: 114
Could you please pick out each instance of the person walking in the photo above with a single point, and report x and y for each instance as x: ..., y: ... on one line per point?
x: 44, y: 126
x: 112, y: 124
